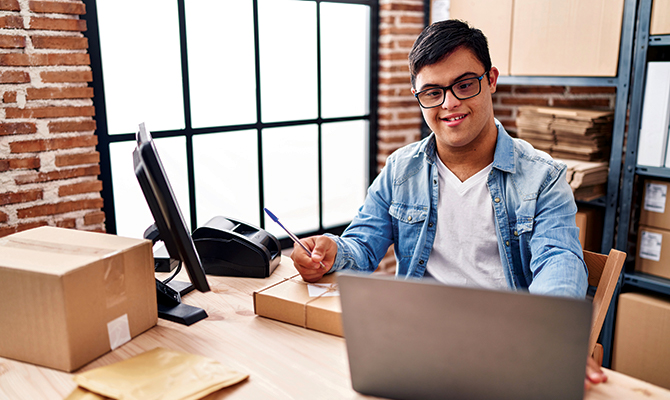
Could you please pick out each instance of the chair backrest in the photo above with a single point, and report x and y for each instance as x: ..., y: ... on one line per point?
x: 604, y: 271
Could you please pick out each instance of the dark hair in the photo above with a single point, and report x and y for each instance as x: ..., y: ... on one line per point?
x: 442, y: 38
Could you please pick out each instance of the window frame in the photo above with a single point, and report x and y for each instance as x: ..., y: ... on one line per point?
x: 105, y: 139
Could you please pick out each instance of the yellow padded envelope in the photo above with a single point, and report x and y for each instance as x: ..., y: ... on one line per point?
x: 157, y: 374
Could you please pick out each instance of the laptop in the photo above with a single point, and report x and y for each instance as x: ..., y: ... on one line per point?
x: 424, y: 340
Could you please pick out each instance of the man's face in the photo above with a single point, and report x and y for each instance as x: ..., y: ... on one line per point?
x: 459, y: 125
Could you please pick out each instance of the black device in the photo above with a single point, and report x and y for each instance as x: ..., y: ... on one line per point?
x: 229, y: 247
x: 171, y: 229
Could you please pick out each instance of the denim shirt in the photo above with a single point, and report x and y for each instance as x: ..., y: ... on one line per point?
x: 534, y: 212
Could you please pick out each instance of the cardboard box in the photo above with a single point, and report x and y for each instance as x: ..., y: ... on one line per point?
x: 655, y: 210
x: 566, y: 37
x: 653, y: 251
x: 590, y: 224
x: 660, y: 18
x: 642, y: 338
x: 494, y: 18
x: 310, y: 305
x: 68, y: 296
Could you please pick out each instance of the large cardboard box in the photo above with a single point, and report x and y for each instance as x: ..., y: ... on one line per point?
x: 660, y: 17
x: 590, y: 224
x: 653, y: 251
x: 655, y: 210
x: 310, y: 305
x: 566, y: 37
x: 494, y: 18
x: 642, y: 338
x: 68, y: 296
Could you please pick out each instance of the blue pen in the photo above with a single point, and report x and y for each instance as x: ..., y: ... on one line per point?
x: 290, y: 234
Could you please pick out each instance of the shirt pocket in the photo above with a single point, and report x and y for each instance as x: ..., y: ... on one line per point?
x: 407, y: 224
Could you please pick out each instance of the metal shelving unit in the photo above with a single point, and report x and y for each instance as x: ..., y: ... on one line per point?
x: 644, y: 45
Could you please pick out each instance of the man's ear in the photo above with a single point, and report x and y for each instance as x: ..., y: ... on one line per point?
x: 493, y: 78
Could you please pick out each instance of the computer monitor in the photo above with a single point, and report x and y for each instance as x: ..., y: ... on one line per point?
x: 172, y: 230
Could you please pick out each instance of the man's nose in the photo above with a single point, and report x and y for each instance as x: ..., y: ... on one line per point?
x: 450, y: 101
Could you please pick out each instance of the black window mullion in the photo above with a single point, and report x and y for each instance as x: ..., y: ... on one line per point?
x: 319, y: 149
x: 259, y: 124
x: 190, y: 164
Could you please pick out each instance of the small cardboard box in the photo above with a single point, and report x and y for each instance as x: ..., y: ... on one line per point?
x: 653, y: 251
x: 68, y: 296
x: 642, y: 338
x: 655, y: 210
x: 310, y: 305
x: 590, y: 224
x: 660, y: 17
x: 566, y: 37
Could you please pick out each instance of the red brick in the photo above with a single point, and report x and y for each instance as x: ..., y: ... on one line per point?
x: 77, y: 159
x: 59, y: 208
x: 60, y: 42
x: 69, y: 223
x: 9, y: 97
x: 4, y: 165
x: 17, y: 128
x: 24, y: 163
x: 95, y: 217
x: 79, y: 188
x: 72, y: 126
x: 12, y: 41
x: 11, y: 22
x: 530, y: 101
x: 58, y: 24
x: 20, y: 197
x: 50, y: 112
x: 582, y: 103
x: 58, y: 7
x: 3, y: 217
x: 66, y: 76
x: 14, y: 77
x: 57, y: 175
x: 591, y: 89
x: 59, y: 93
x: 32, y: 146
x: 8, y: 230
x: 401, y: 7
x: 539, y: 89
x: 27, y: 60
x: 10, y: 5
x: 411, y: 19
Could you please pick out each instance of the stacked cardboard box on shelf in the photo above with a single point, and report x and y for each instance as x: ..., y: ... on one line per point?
x: 567, y: 132
x: 653, y: 242
x: 587, y: 179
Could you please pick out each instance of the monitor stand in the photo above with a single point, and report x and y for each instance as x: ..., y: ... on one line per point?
x: 170, y: 306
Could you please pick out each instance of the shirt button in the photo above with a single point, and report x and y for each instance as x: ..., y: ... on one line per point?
x: 516, y: 233
x: 434, y: 181
x: 507, y: 243
x: 409, y: 218
x: 430, y: 224
x: 497, y: 199
x: 420, y: 262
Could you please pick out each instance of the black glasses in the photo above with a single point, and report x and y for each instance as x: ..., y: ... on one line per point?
x: 462, y: 90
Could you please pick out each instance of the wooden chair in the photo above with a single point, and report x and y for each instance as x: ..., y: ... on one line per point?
x: 604, y: 271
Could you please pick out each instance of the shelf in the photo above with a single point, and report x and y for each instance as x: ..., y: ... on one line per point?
x: 558, y: 80
x: 659, y: 40
x: 646, y: 281
x: 653, y: 172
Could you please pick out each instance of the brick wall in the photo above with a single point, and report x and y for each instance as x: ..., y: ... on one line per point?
x: 48, y: 164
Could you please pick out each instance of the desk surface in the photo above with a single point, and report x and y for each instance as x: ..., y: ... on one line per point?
x: 283, y: 361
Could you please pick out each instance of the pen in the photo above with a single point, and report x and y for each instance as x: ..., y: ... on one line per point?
x: 290, y: 234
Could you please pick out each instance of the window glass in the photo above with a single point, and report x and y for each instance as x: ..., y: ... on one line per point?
x: 226, y: 176
x: 288, y: 60
x: 142, y: 64
x: 290, y: 178
x: 345, y: 59
x: 344, y: 156
x: 221, y: 62
x: 133, y: 216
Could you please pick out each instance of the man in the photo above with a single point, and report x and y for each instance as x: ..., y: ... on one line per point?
x: 468, y: 205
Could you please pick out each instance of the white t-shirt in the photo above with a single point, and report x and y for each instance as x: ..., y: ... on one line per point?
x: 465, y: 251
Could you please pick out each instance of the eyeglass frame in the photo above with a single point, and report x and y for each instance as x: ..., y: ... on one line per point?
x: 451, y: 89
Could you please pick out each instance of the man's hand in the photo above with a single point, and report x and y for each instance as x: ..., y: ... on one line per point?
x: 324, y: 250
x: 593, y: 373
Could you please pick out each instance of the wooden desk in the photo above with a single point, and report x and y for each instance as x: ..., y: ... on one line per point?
x: 283, y: 361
